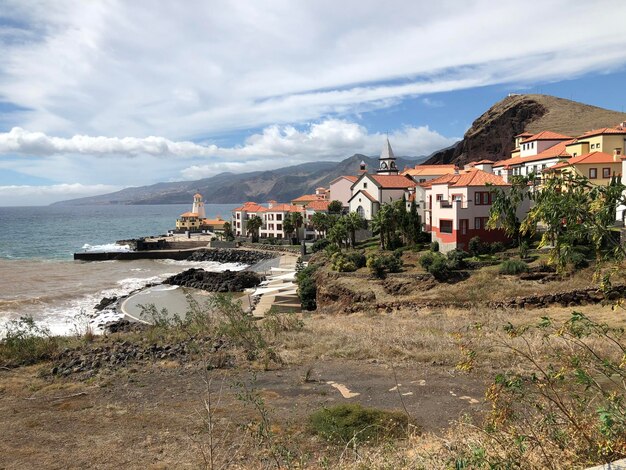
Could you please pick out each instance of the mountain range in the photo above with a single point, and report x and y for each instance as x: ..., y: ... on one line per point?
x: 283, y: 184
x: 490, y: 137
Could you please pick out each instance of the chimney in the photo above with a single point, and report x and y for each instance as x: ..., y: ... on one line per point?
x: 622, y: 124
x: 617, y: 154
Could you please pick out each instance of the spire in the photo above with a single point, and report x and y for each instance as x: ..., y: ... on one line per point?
x: 387, y: 161
x: 387, y: 152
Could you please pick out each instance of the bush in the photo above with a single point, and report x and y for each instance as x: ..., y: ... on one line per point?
x: 357, y: 257
x: 346, y: 423
x: 475, y: 246
x: 440, y: 268
x: 513, y: 266
x: 456, y: 259
x: 380, y: 265
x: 341, y: 263
x: 434, y: 247
x: 307, y: 288
x: 427, y: 259
x: 26, y: 342
x: 319, y: 245
x: 496, y: 247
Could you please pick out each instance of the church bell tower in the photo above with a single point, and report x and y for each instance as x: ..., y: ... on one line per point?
x: 387, y: 161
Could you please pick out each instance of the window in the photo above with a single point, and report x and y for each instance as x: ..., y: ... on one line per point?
x: 606, y: 173
x: 422, y: 180
x: 480, y: 223
x: 593, y: 173
x: 279, y: 226
x: 463, y: 226
x: 360, y: 211
x: 482, y: 198
x: 439, y: 197
x: 364, y: 185
x: 445, y: 226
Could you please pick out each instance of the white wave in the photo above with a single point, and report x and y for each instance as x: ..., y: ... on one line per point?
x: 108, y: 247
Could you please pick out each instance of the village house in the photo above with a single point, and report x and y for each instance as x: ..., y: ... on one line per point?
x: 598, y: 167
x: 321, y: 194
x: 370, y: 191
x: 423, y: 173
x: 458, y: 207
x: 340, y: 188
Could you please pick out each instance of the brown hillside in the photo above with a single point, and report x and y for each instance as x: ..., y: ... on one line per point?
x: 491, y: 135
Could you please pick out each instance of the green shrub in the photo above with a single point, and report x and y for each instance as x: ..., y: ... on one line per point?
x: 434, y: 247
x: 341, y: 263
x: 456, y: 259
x: 26, y: 342
x: 319, y: 245
x: 440, y: 268
x: 307, y: 288
x: 346, y: 423
x: 513, y: 266
x: 475, y: 246
x: 496, y: 247
x: 380, y: 264
x: 427, y: 259
x: 331, y: 249
x: 356, y: 257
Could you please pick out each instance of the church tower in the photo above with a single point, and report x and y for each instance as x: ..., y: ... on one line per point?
x: 198, y: 206
x: 387, y: 161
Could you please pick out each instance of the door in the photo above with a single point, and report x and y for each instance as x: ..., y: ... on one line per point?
x: 463, y: 226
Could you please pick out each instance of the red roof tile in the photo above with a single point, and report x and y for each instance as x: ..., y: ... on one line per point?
x: 587, y: 158
x: 430, y: 170
x: 546, y: 135
x: 470, y: 178
x: 285, y: 208
x: 189, y: 214
x: 393, y: 181
x: 604, y: 130
x: 250, y: 207
x: 558, y: 150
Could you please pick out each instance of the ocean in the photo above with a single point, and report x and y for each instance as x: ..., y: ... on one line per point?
x: 39, y: 278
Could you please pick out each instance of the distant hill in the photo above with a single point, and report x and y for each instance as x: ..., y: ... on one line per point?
x: 283, y: 184
x: 491, y: 135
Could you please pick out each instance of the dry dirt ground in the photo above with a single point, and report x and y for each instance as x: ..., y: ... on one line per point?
x: 152, y: 416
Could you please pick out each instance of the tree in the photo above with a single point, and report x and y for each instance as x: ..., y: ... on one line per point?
x: 505, y: 205
x: 297, y: 221
x: 574, y: 212
x: 253, y: 225
x: 338, y: 234
x: 288, y: 227
x: 228, y: 232
x: 353, y: 222
x: 335, y: 207
x: 321, y: 222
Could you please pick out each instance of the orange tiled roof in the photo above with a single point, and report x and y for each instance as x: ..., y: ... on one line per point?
x: 366, y: 194
x: 218, y: 221
x: 430, y: 170
x: 524, y: 134
x: 484, y: 162
x: 587, y: 158
x: 285, y: 208
x: 309, y: 197
x: 470, y: 178
x: 393, y: 181
x: 546, y: 135
x: 250, y: 207
x: 604, y: 130
x: 189, y: 214
x: 318, y: 205
x: 558, y: 150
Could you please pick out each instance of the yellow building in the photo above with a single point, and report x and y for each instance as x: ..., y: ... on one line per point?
x: 606, y: 140
x: 597, y: 167
x: 196, y: 221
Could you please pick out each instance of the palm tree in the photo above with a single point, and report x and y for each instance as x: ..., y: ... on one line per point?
x: 252, y: 226
x: 296, y: 220
x: 353, y: 223
x: 321, y: 222
x: 288, y: 227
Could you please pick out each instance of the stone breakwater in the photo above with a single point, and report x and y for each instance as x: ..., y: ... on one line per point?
x: 224, y: 255
x: 227, y: 281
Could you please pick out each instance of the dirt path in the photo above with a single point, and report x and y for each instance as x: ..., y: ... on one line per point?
x: 151, y: 416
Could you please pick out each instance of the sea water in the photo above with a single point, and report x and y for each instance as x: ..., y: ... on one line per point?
x: 39, y: 278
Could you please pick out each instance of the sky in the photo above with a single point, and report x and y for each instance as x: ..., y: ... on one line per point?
x: 100, y: 95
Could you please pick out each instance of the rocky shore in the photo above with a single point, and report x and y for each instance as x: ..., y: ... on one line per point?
x: 223, y: 255
x: 227, y: 281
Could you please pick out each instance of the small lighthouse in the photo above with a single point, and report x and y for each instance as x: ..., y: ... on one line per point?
x: 198, y: 206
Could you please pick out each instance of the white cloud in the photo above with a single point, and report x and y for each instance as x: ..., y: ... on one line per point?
x: 275, y: 146
x: 95, y: 68
x: 44, y: 195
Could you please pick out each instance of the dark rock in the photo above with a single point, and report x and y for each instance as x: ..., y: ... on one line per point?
x: 222, y: 255
x: 227, y: 281
x: 105, y: 302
